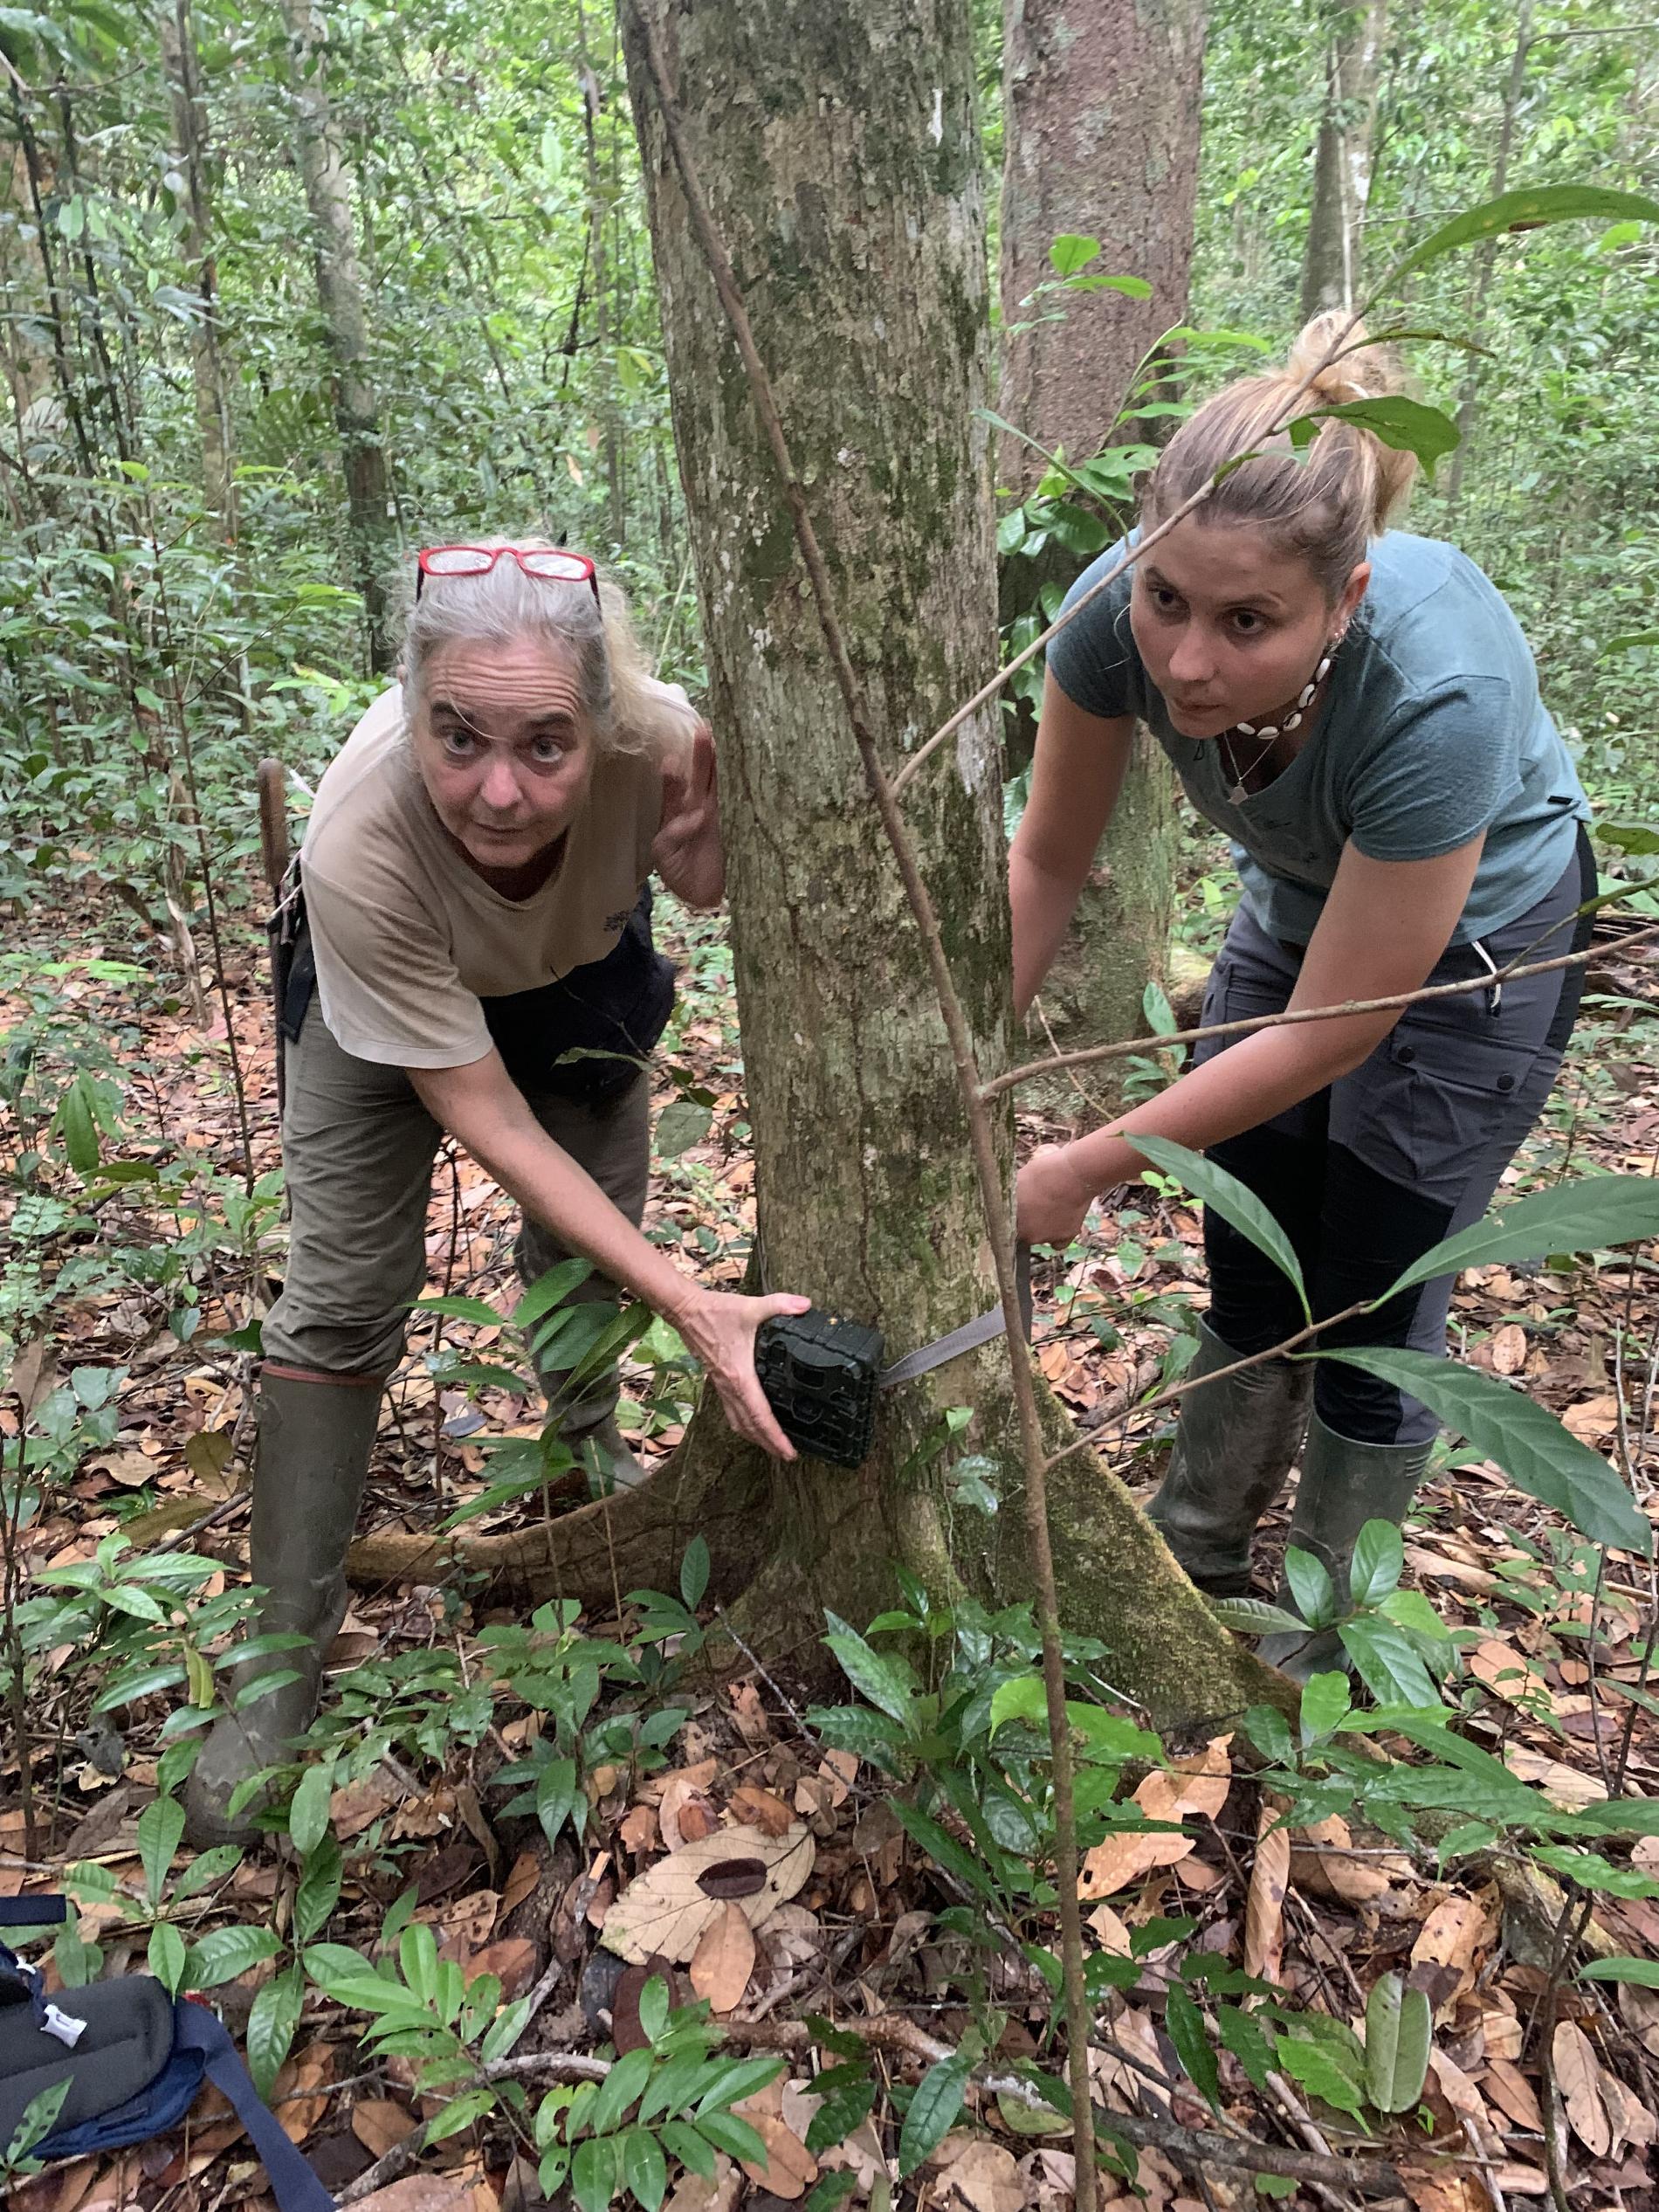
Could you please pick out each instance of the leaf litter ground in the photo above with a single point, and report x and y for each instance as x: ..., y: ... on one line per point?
x: 1324, y: 1911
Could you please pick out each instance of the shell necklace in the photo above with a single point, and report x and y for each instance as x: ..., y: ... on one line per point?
x: 1269, y: 733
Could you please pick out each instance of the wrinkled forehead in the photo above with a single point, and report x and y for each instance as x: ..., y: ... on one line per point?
x: 507, y: 682
x: 1223, y: 563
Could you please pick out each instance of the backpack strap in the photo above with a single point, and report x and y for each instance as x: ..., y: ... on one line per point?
x: 35, y: 1912
x: 296, y: 2186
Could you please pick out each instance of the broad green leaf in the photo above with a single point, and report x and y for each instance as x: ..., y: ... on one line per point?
x: 1387, y: 1662
x: 1524, y: 210
x: 76, y: 1127
x: 550, y: 1290
x: 932, y: 2111
x: 1325, y: 1700
x: 680, y: 1125
x: 1241, y: 2033
x: 224, y: 1952
x: 1070, y: 252
x: 558, y: 1794
x: 690, y: 2148
x: 1631, y: 641
x: 1646, y: 1971
x: 694, y: 1571
x: 942, y: 1847
x: 1230, y: 1199
x: 1585, y: 1215
x: 1186, y: 2026
x: 1399, y: 2031
x: 619, y: 2090
x: 737, y: 2138
x: 1407, y: 424
x: 1591, y: 1872
x: 1379, y: 1558
x: 653, y: 2008
x: 886, y: 1680
x: 1253, y: 1616
x: 1311, y: 1587
x: 644, y: 2169
x: 38, y: 2119
x: 166, y: 1956
x: 458, y: 1308
x: 840, y: 2113
x: 160, y: 1826
x: 308, y: 1813
x: 460, y: 2112
x: 1534, y: 1450
x: 829, y: 2191
x: 319, y: 1891
x: 593, y: 2173
x: 1316, y: 2066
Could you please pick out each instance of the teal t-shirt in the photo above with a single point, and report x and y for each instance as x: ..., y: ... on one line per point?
x: 1432, y: 731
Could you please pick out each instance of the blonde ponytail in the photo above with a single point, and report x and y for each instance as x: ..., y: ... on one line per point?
x: 1325, y: 506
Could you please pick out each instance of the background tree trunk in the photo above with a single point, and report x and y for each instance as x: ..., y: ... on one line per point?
x: 340, y: 291
x: 1100, y: 127
x: 177, y: 32
x: 1331, y: 262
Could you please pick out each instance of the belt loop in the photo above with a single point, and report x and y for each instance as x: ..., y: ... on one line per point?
x: 1495, y: 996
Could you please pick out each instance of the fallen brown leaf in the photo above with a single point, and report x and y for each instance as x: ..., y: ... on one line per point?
x: 790, y: 2168
x: 759, y: 1809
x: 1264, y: 1909
x: 1452, y: 1935
x: 665, y: 1909
x: 297, y: 2109
x: 379, y: 2124
x: 1577, y: 2076
x: 724, y: 1959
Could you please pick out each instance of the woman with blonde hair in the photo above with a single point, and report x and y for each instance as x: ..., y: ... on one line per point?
x: 1357, y: 708
x: 475, y: 957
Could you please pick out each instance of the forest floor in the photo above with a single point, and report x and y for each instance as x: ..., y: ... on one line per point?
x: 1551, y: 1643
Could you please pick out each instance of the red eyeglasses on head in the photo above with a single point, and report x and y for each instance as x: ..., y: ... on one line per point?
x: 551, y: 563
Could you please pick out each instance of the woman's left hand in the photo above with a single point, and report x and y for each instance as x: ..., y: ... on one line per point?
x: 1049, y: 1200
x: 686, y: 852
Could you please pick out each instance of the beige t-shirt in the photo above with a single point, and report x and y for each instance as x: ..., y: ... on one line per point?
x: 408, y: 938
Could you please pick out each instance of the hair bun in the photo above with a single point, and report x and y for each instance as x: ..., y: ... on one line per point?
x: 1359, y: 371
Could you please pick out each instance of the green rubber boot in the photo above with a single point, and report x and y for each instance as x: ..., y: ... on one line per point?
x: 605, y: 1452
x: 1236, y: 1443
x: 1343, y: 1486
x: 310, y: 1463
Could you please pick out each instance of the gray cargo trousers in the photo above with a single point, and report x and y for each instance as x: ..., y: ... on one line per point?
x: 358, y: 1148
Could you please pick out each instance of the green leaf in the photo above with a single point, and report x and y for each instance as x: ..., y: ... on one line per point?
x: 1236, y: 1205
x: 557, y: 1795
x: 1524, y: 210
x: 1321, y: 2073
x: 829, y: 2191
x: 644, y: 2169
x: 691, y: 2149
x: 680, y: 1125
x: 550, y: 1290
x: 593, y: 2173
x: 1186, y: 2026
x: 839, y: 2114
x: 693, y: 1572
x: 619, y: 2090
x: 161, y: 1825
x: 1585, y: 1215
x: 75, y: 1122
x: 308, y: 1813
x: 1241, y: 2033
x: 733, y: 2136
x: 1254, y: 1616
x: 1405, y: 425
x: 1530, y: 1445
x: 1379, y: 1559
x: 886, y: 1681
x: 460, y: 1309
x: 1591, y: 1872
x: 1325, y: 1700
x: 1646, y: 1971
x: 38, y: 2119
x: 271, y: 2024
x: 1389, y: 1662
x: 653, y: 2008
x: 460, y: 2112
x: 1311, y: 1587
x: 1070, y: 252
x: 941, y: 1846
x: 224, y: 1952
x: 1399, y: 2031
x: 932, y: 2111
x: 319, y: 1891
x: 166, y: 1956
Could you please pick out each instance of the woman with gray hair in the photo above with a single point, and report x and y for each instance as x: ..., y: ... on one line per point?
x: 475, y: 957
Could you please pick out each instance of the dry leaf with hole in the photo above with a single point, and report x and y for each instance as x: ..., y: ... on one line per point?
x: 1264, y: 1911
x: 666, y: 1908
x: 1577, y: 2076
x: 790, y: 2168
x: 724, y: 1959
x: 759, y: 1809
x: 1194, y: 1786
x: 353, y: 1805
x: 1117, y: 1861
x: 1113, y: 1934
x: 1452, y: 1935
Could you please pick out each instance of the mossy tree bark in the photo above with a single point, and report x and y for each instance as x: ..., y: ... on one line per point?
x: 837, y: 145
x: 1100, y: 125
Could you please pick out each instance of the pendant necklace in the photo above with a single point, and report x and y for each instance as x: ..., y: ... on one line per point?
x: 1269, y: 732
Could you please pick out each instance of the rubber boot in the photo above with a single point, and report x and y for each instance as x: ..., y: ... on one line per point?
x: 1343, y: 1486
x: 617, y: 1467
x: 310, y: 1463
x: 1236, y: 1443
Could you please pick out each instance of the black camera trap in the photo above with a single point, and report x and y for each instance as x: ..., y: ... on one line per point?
x: 821, y: 1374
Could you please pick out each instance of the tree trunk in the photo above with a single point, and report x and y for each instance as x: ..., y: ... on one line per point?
x: 837, y: 145
x: 1486, y: 255
x: 340, y: 291
x: 1332, y: 266
x: 207, y: 366
x: 1100, y: 125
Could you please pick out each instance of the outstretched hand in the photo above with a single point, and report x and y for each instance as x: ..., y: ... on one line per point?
x: 686, y: 851
x: 720, y: 1329
x: 1050, y: 1203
